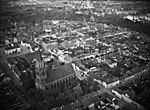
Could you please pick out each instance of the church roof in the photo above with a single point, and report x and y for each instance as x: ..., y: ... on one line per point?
x: 59, y: 73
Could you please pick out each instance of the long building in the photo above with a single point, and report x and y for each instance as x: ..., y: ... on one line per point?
x: 61, y: 76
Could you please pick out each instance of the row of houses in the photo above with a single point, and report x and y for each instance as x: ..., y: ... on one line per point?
x: 119, y: 94
x: 17, y: 47
x: 12, y: 48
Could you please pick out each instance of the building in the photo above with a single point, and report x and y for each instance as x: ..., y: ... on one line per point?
x: 62, y: 75
x: 103, y: 101
x: 2, y: 42
x: 25, y: 45
x: 39, y: 66
x: 12, y: 48
x: 57, y: 77
x: 49, y: 46
x: 50, y: 74
x: 70, y: 44
x: 120, y: 94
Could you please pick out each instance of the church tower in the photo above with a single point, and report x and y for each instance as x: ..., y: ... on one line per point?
x: 40, y: 66
x: 41, y: 71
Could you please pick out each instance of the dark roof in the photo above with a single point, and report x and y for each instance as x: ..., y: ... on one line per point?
x: 107, y: 95
x: 79, y: 104
x: 118, y: 90
x: 36, y: 55
x: 1, y: 41
x: 33, y: 45
x: 12, y: 47
x: 59, y: 72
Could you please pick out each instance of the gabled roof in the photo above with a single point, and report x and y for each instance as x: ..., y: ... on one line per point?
x: 59, y: 73
x: 12, y: 47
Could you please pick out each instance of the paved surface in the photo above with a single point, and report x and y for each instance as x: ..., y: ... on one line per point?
x: 112, y: 35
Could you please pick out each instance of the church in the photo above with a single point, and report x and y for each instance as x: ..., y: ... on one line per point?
x: 55, y: 75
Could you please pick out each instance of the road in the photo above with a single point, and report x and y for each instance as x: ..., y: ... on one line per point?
x: 112, y: 35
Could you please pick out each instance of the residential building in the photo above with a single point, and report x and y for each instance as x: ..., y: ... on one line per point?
x: 12, y: 48
x: 49, y: 46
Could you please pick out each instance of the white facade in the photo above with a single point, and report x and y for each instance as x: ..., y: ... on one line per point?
x: 50, y: 46
x: 122, y: 96
x: 117, y: 94
x: 113, y: 84
x: 10, y: 51
x: 79, y: 73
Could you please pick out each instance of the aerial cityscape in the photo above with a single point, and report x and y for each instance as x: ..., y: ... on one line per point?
x: 75, y: 55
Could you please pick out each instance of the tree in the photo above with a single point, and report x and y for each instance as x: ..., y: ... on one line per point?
x: 125, y: 108
x: 61, y: 99
x: 53, y: 92
x: 95, y: 86
x: 71, y: 97
x: 78, y: 91
x: 50, y: 102
x: 31, y: 93
x: 40, y: 95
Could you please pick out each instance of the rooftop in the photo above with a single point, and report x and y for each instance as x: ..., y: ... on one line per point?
x: 59, y: 73
x: 9, y: 47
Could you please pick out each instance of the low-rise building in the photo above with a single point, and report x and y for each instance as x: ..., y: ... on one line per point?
x: 12, y: 48
x: 49, y: 46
